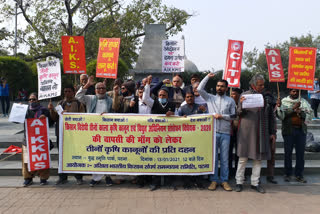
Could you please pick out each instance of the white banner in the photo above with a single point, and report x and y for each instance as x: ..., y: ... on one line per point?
x: 49, y: 79
x: 172, y: 56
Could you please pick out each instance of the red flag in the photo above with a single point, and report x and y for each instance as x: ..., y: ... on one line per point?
x: 232, y: 71
x: 74, y: 57
x: 274, y: 65
x: 37, y: 135
x: 12, y: 149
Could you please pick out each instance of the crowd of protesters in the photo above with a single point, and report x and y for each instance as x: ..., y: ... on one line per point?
x: 250, y: 132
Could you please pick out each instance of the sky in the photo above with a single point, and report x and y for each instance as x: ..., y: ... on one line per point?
x: 256, y: 22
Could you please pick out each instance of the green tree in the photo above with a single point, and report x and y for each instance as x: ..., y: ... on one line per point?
x: 48, y: 21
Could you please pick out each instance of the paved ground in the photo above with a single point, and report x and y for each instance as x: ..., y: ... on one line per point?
x: 121, y: 199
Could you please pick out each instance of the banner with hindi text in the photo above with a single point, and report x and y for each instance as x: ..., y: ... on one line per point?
x: 133, y: 144
x: 107, y: 62
x: 302, y: 66
x: 49, y: 79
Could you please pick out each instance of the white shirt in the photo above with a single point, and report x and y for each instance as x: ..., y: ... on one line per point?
x: 101, y: 106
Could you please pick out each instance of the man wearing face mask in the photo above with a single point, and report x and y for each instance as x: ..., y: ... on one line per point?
x: 175, y: 94
x: 224, y: 109
x: 99, y: 103
x: 35, y: 110
x: 315, y: 98
x: 160, y: 105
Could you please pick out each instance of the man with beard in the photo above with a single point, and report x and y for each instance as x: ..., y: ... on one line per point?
x: 99, y: 103
x: 256, y: 129
x: 191, y: 108
x: 224, y: 109
x: 69, y: 104
x: 293, y: 113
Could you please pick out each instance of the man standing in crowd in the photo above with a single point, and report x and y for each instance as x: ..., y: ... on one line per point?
x: 224, y: 109
x: 191, y: 108
x: 175, y: 93
x: 83, y: 82
x: 269, y: 98
x: 315, y: 98
x: 160, y: 105
x: 293, y: 113
x: 194, y: 78
x: 255, y: 131
x: 235, y: 95
x: 99, y: 103
x: 69, y: 104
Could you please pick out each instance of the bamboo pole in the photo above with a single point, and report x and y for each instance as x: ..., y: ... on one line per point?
x: 278, y: 90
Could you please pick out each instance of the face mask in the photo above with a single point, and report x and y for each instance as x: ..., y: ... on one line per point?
x: 316, y: 82
x: 125, y: 93
x: 162, y: 100
x: 33, y: 105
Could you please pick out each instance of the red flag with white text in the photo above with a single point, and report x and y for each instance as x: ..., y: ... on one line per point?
x: 232, y: 71
x: 274, y: 65
x: 38, y: 146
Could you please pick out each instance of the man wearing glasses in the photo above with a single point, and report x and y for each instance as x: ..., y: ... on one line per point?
x: 98, y: 103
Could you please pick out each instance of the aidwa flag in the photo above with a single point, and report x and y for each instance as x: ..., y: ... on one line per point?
x: 232, y: 71
x: 38, y: 146
x: 274, y: 65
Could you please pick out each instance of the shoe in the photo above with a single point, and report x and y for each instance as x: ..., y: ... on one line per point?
x: 174, y: 187
x: 199, y: 185
x: 213, y: 186
x: 43, y: 182
x: 258, y: 189
x: 27, y: 182
x: 226, y: 186
x: 61, y: 181
x: 301, y: 179
x: 315, y: 118
x: 108, y: 182
x: 153, y: 187
x: 79, y: 181
x: 239, y: 188
x: 93, y: 183
x: 187, y: 185
x: 270, y: 179
x: 287, y: 178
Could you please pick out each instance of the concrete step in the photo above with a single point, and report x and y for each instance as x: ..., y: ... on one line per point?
x: 13, y: 168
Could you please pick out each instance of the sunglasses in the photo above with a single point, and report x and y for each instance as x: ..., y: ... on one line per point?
x: 123, y: 88
x: 100, y: 88
x: 32, y: 99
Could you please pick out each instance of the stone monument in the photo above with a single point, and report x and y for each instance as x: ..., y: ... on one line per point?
x: 150, y: 57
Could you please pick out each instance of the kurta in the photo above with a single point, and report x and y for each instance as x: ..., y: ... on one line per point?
x: 256, y: 125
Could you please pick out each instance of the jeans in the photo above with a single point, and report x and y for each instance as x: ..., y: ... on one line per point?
x: 222, y: 144
x: 314, y: 105
x: 297, y: 139
x: 233, y: 156
x: 5, y: 103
